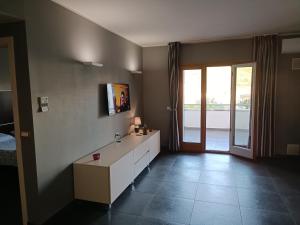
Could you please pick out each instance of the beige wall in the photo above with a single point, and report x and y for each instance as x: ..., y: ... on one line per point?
x: 156, y: 90
x: 155, y: 76
x: 288, y: 104
x: 77, y: 122
x: 13, y: 8
x: 155, y: 81
x: 217, y: 52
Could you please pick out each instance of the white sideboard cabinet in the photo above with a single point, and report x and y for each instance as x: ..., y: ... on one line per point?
x: 105, y: 179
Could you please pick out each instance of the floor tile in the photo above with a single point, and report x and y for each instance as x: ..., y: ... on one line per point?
x: 10, y: 207
x: 292, y: 202
x: 116, y: 219
x: 251, y: 169
x: 178, y: 189
x: 257, y: 183
x: 217, y: 178
x: 215, y: 214
x: 174, y: 210
x: 164, y: 160
x: 287, y: 186
x: 188, y: 162
x: 284, y: 168
x: 132, y: 203
x: 265, y: 217
x: 216, y: 166
x: 147, y: 184
x: 181, y: 174
x: 217, y: 194
x: 214, y: 158
x: 296, y: 216
x: 151, y: 221
x: 78, y: 213
x: 158, y: 171
x: 261, y: 200
x: 201, y: 189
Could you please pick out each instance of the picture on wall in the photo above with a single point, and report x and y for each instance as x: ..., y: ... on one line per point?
x: 118, y: 98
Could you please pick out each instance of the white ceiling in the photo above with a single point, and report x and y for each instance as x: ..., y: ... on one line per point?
x: 157, y: 22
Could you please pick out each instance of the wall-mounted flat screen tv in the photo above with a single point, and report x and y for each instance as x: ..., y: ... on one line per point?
x: 118, y: 98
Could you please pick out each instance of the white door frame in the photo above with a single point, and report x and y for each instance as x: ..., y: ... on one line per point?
x: 8, y: 42
x: 239, y: 150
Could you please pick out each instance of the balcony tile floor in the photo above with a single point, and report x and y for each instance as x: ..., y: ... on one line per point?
x: 191, y: 189
x: 216, y: 139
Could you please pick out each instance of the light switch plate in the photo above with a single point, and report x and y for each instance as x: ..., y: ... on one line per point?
x: 43, y: 104
x: 24, y: 134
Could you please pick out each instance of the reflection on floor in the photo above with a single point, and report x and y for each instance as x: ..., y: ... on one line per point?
x: 201, y: 189
x: 216, y: 139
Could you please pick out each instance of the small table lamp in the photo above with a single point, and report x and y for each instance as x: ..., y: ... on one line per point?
x: 137, y: 123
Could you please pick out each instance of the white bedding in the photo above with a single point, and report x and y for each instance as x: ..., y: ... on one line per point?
x: 7, y: 150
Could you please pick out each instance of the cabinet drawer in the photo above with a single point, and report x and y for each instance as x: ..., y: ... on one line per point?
x: 121, y: 175
x: 154, y: 146
x: 141, y: 164
x: 140, y: 151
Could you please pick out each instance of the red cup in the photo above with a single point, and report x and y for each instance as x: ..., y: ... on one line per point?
x: 96, y: 156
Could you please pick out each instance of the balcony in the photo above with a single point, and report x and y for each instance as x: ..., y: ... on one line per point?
x: 217, y: 126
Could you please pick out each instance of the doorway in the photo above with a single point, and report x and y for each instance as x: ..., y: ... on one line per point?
x: 215, y: 109
x: 190, y: 113
x: 11, y: 163
x: 218, y: 95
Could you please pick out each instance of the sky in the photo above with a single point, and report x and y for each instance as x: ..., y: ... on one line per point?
x: 218, y: 84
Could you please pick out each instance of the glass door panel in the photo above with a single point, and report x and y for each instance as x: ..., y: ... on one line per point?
x: 191, y: 120
x: 242, y: 107
x: 241, y: 110
x: 218, y: 93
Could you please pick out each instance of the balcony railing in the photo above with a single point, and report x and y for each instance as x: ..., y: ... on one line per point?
x: 217, y: 116
x: 216, y: 106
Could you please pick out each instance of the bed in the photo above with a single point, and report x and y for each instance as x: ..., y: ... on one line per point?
x: 7, y: 150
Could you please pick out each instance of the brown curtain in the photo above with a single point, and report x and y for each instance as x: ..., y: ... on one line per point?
x: 265, y: 55
x: 173, y: 71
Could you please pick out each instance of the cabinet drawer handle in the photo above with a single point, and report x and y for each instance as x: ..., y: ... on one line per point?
x: 141, y: 157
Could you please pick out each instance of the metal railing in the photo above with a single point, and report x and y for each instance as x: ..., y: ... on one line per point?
x: 216, y: 107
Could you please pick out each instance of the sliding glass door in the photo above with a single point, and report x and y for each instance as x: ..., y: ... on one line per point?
x: 242, y: 110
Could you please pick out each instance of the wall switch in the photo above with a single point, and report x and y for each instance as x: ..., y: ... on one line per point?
x: 43, y: 104
x: 293, y: 149
x: 24, y: 134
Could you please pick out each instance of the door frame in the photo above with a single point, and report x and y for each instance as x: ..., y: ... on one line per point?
x: 185, y: 146
x: 8, y: 42
x: 216, y: 65
x: 240, y: 150
x: 201, y: 148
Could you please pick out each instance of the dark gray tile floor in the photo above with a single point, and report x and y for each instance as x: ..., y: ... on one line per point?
x: 201, y: 189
